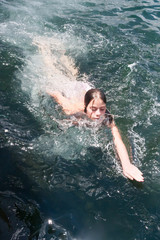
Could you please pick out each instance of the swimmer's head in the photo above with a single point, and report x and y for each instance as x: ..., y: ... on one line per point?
x: 95, y: 103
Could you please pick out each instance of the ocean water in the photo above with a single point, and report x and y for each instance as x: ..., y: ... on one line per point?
x: 59, y: 181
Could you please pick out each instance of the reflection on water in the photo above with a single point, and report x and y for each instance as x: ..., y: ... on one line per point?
x: 64, y: 181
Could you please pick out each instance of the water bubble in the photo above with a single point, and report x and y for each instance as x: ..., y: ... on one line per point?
x: 50, y: 221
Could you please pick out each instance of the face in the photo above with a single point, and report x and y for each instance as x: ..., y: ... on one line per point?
x: 96, y: 108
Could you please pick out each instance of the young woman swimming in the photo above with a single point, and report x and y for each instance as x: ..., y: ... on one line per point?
x: 79, y: 97
x: 94, y: 106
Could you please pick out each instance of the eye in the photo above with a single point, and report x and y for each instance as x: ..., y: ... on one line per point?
x: 93, y: 109
x: 102, y: 109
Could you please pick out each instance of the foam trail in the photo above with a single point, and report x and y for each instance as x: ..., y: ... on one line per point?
x: 60, y: 71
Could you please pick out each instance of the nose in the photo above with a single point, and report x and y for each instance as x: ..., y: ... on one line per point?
x: 98, y: 113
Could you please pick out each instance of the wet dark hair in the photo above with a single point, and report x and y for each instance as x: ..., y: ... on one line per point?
x: 97, y: 93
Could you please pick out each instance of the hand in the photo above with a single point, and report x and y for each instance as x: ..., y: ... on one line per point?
x: 132, y: 172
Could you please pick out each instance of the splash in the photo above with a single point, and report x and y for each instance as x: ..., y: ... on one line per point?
x: 59, y: 70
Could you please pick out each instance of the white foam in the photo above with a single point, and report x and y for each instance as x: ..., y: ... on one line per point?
x: 139, y: 146
x: 131, y: 66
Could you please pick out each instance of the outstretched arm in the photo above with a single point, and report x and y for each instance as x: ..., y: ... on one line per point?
x: 69, y: 106
x: 129, y: 170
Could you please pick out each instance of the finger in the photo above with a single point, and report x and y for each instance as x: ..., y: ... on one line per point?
x: 128, y: 176
x: 137, y: 175
x: 141, y: 179
x: 138, y: 178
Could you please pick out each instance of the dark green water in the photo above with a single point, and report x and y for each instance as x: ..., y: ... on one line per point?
x: 63, y: 182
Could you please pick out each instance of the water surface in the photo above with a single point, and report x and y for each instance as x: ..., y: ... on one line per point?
x: 60, y: 181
